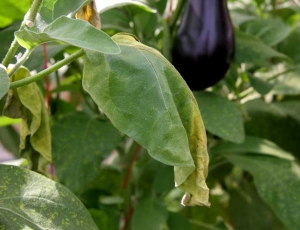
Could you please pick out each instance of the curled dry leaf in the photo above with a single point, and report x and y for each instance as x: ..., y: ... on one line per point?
x: 27, y: 103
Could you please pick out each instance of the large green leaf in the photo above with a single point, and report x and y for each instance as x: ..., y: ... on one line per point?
x: 80, y: 144
x: 31, y: 201
x: 278, y: 122
x: 253, y: 145
x: 145, y: 98
x: 4, y: 80
x: 27, y: 102
x: 252, y: 50
x: 149, y: 214
x: 248, y: 211
x: 277, y: 182
x: 72, y: 31
x: 271, y: 31
x: 221, y: 117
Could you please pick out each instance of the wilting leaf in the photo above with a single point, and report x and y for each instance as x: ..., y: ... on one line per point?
x: 145, y: 98
x: 27, y: 102
x: 221, y: 117
x: 31, y: 201
x: 80, y: 144
x: 72, y: 31
x: 4, y: 80
x: 277, y: 182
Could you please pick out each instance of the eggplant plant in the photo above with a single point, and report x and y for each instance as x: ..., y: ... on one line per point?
x: 100, y: 131
x: 204, y: 44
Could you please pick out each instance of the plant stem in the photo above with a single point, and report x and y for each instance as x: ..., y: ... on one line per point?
x: 33, y: 10
x: 46, y: 72
x: 176, y: 15
x: 29, y: 17
x: 20, y: 62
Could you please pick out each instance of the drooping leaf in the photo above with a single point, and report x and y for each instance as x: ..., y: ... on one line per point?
x: 75, y: 32
x: 253, y: 145
x: 249, y: 49
x: 278, y: 122
x: 31, y: 201
x: 248, y: 211
x: 4, y: 80
x: 277, y: 182
x: 271, y: 31
x: 80, y: 144
x: 145, y: 98
x: 149, y: 214
x: 27, y: 102
x: 221, y: 117
x: 10, y: 139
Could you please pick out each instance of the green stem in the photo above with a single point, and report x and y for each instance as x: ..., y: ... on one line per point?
x: 20, y: 62
x: 33, y: 11
x: 176, y: 14
x: 47, y: 71
x: 29, y: 17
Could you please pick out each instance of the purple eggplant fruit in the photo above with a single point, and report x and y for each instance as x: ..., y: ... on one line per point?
x: 204, y: 43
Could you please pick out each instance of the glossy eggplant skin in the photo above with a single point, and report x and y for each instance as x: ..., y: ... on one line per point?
x: 204, y: 43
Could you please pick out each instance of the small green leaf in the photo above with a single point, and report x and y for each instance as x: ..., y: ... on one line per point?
x: 31, y: 201
x: 277, y: 182
x: 4, y: 80
x: 253, y: 145
x: 146, y: 98
x: 260, y: 85
x: 249, y: 49
x: 149, y: 214
x: 50, y: 10
x: 27, y: 102
x: 75, y: 32
x: 221, y: 117
x: 89, y: 141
